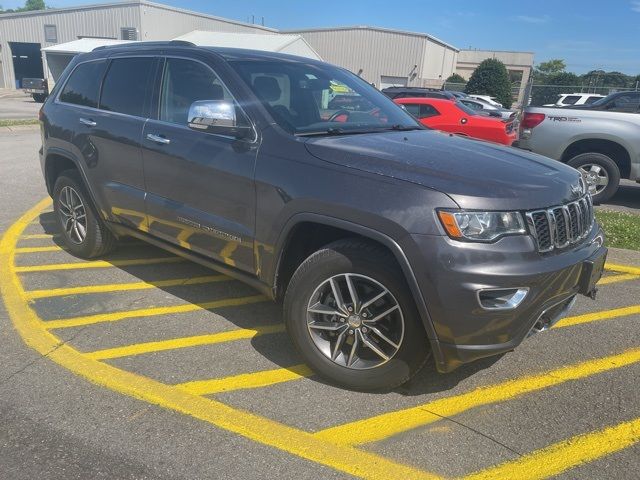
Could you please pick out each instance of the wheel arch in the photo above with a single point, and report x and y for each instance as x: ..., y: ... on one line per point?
x: 325, y: 228
x: 611, y: 148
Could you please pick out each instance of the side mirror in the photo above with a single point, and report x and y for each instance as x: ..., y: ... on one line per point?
x: 216, y: 116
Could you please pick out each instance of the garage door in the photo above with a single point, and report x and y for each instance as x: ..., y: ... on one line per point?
x: 387, y: 81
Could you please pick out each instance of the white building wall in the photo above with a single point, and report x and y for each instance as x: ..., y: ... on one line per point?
x: 92, y: 21
x: 161, y: 22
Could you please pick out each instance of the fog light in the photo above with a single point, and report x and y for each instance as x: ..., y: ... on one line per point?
x: 502, y: 298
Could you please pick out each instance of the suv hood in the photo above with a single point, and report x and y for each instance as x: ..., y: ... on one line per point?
x: 475, y: 174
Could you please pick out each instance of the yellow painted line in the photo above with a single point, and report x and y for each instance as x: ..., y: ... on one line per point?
x: 150, y: 312
x: 623, y: 277
x: 622, y: 268
x: 383, y: 426
x: 598, y: 316
x: 348, y: 460
x: 565, y: 455
x: 97, y: 264
x: 50, y: 248
x: 38, y: 236
x: 124, y: 287
x: 184, y: 342
x: 246, y: 380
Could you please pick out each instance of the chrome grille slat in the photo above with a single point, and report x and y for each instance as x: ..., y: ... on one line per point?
x: 560, y: 226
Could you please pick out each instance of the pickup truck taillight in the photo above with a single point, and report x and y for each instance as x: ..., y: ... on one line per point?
x: 532, y: 120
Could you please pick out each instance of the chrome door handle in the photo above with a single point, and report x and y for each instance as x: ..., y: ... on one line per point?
x: 158, y: 139
x: 88, y: 122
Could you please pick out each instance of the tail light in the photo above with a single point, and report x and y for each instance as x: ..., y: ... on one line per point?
x: 41, y: 114
x: 532, y: 120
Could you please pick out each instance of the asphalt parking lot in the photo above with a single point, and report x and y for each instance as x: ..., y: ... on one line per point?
x: 141, y: 365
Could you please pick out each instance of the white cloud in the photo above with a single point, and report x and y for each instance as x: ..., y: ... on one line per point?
x: 534, y: 20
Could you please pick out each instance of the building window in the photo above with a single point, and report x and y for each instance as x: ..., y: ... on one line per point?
x: 129, y: 33
x: 50, y: 34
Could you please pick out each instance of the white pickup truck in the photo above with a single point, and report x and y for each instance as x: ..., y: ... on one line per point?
x: 602, y: 143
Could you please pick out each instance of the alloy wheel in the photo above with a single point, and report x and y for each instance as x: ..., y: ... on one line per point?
x: 595, y: 176
x: 355, y: 321
x: 73, y: 215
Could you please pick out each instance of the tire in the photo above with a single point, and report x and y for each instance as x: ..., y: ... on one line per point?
x: 598, y: 166
x: 98, y: 240
x: 39, y: 97
x: 371, y: 269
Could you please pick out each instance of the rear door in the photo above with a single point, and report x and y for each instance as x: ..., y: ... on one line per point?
x: 200, y: 188
x: 105, y: 131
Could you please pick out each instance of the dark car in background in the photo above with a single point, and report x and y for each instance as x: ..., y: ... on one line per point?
x: 628, y: 102
x: 389, y: 243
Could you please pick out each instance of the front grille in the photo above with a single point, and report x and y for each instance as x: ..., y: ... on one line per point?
x: 563, y: 225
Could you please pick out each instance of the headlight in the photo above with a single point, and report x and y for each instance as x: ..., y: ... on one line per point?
x: 481, y: 226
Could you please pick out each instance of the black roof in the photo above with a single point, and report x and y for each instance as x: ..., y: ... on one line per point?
x: 225, y: 52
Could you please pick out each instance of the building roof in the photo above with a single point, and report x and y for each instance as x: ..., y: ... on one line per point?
x: 83, y: 45
x: 98, y: 6
x: 378, y: 29
x: 284, y: 43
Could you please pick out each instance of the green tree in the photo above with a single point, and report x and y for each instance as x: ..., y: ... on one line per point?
x: 555, y: 65
x: 554, y: 85
x: 455, y: 78
x: 491, y: 78
x: 33, y: 5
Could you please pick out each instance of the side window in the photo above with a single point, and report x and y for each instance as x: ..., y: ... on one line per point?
x: 427, y: 111
x: 83, y: 85
x: 187, y: 81
x: 413, y: 109
x: 628, y: 102
x: 590, y: 100
x: 570, y: 100
x: 126, y: 84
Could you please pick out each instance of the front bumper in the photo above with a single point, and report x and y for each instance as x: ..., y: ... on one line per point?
x: 451, y: 273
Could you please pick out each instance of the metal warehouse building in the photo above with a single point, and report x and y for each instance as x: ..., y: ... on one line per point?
x: 22, y: 35
x: 385, y: 57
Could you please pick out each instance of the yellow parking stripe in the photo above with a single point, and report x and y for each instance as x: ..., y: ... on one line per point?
x: 622, y: 268
x: 254, y: 427
x: 598, y: 316
x: 246, y: 380
x: 149, y: 312
x: 184, y: 342
x: 51, y: 248
x: 623, y: 277
x: 124, y: 287
x: 97, y: 264
x: 383, y: 426
x: 37, y: 236
x: 565, y: 455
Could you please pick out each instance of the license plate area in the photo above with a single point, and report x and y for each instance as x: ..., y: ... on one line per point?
x: 592, y: 270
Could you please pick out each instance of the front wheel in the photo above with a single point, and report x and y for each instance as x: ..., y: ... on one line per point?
x: 349, y: 313
x: 600, y: 173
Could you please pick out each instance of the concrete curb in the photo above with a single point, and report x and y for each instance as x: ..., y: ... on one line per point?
x: 20, y: 128
x: 623, y: 256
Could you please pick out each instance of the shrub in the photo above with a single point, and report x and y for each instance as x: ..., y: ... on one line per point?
x: 491, y: 78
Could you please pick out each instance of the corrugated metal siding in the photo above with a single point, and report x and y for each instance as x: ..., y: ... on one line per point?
x: 104, y: 21
x: 376, y: 53
x: 384, y: 54
x: 160, y: 23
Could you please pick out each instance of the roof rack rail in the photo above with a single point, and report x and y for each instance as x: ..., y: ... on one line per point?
x: 168, y: 43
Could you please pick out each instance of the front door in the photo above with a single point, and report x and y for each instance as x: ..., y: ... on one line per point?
x: 200, y: 187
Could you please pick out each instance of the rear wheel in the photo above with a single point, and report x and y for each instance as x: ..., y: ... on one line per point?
x: 600, y: 173
x: 83, y: 232
x: 39, y: 97
x: 349, y: 313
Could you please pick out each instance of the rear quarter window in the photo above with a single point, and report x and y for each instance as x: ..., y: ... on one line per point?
x: 83, y: 85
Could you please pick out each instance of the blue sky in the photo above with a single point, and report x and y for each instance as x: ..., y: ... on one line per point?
x: 588, y: 34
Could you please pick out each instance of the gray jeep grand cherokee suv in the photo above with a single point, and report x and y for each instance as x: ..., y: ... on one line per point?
x: 387, y: 242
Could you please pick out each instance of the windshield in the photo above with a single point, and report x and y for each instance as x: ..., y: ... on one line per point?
x: 602, y: 101
x: 312, y: 99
